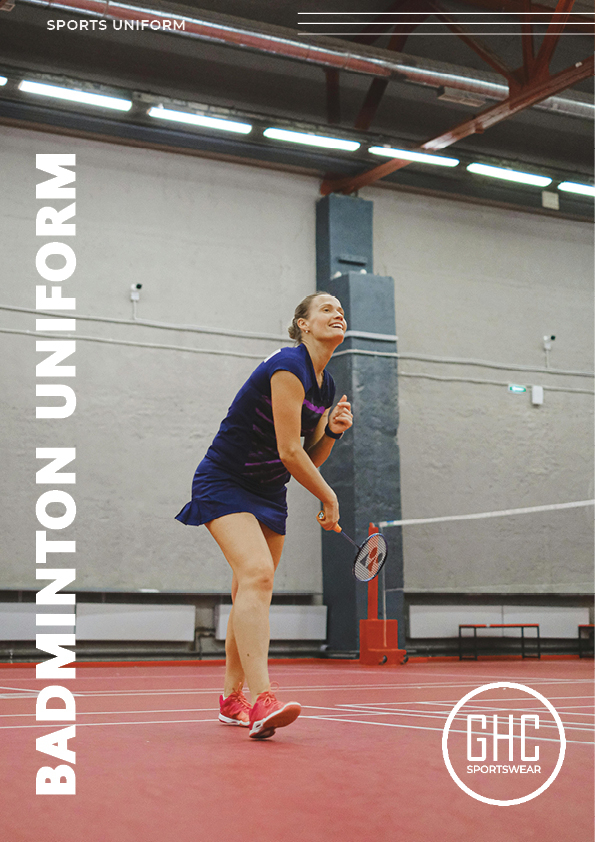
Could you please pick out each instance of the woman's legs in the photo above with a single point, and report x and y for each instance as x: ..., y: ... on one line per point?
x: 253, y: 552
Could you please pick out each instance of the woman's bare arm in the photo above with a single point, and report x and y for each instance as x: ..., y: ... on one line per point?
x: 318, y: 446
x: 287, y: 395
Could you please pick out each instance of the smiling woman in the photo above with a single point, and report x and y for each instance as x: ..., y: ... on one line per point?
x: 239, y: 493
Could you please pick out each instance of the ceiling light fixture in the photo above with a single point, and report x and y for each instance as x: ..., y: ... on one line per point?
x: 200, y: 120
x: 73, y: 95
x: 510, y: 175
x: 312, y: 139
x: 419, y: 157
x: 574, y: 187
x: 3, y: 80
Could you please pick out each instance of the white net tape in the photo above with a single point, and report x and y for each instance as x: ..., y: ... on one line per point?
x: 481, y: 515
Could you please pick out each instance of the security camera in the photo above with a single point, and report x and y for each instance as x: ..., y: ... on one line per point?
x: 136, y: 286
x: 547, y: 342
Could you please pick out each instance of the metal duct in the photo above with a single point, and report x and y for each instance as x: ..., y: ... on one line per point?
x: 325, y: 52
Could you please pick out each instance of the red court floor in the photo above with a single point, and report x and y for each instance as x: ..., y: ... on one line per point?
x: 363, y: 762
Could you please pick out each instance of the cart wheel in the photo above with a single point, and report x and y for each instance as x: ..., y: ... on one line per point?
x: 405, y: 659
x: 384, y: 659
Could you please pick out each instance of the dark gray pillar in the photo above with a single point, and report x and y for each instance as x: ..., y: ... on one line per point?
x: 364, y: 467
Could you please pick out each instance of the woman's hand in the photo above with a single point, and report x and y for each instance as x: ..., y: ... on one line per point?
x: 341, y: 418
x: 330, y: 511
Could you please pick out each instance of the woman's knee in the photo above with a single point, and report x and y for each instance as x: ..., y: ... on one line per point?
x: 258, y: 577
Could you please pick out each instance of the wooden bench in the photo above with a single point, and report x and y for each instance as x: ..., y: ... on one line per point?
x: 585, y: 634
x: 475, y: 626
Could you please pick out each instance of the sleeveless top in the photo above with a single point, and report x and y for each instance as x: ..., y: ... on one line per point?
x: 246, y: 445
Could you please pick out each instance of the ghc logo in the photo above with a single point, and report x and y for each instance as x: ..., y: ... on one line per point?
x: 477, y: 746
x: 475, y: 717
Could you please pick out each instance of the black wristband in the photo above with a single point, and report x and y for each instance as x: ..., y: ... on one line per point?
x: 328, y: 432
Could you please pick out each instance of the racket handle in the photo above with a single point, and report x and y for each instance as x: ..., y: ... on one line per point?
x: 336, y: 528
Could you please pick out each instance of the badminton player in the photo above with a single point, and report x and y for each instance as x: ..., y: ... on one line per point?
x: 239, y: 494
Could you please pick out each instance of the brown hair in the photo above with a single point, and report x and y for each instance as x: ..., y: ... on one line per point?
x: 301, y: 312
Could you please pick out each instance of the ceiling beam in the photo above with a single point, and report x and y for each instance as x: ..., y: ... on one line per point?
x: 333, y: 96
x: 552, y: 36
x: 482, y: 50
x: 518, y: 101
x: 370, y: 34
x: 405, y: 24
x: 586, y: 22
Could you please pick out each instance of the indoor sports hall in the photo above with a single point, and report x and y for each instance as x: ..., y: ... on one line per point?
x: 176, y: 179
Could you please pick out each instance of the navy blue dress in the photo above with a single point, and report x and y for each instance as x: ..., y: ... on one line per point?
x: 242, y: 471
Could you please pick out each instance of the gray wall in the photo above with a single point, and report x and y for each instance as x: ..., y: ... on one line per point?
x: 213, y: 245
x: 230, y: 246
x: 488, y: 284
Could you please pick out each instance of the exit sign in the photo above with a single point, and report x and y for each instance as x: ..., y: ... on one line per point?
x: 518, y: 390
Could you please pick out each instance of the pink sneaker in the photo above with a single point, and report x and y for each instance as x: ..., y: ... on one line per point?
x: 267, y: 714
x: 235, y: 709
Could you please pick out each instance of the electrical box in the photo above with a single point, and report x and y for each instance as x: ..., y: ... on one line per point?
x: 536, y: 395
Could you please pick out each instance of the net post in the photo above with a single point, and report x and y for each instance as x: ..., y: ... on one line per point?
x: 373, y: 586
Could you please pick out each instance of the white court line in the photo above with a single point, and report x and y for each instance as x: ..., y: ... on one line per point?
x: 284, y: 689
x: 442, y: 715
x: 99, y: 724
x: 422, y: 728
x: 119, y: 712
x: 212, y: 672
x: 307, y: 716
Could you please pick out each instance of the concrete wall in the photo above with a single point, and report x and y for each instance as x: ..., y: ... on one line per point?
x: 227, y: 246
x: 213, y: 245
x: 488, y: 284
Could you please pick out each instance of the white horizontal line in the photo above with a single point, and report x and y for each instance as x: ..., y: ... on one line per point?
x: 480, y: 515
x: 490, y: 13
x: 423, y: 728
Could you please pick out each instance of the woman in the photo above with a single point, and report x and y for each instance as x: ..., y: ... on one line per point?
x: 239, y: 492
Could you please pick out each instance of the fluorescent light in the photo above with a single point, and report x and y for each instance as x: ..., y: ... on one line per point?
x: 3, y: 80
x: 510, y: 175
x: 75, y: 96
x: 409, y: 155
x: 200, y: 120
x: 312, y: 139
x: 573, y: 187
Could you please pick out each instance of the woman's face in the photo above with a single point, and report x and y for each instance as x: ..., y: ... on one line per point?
x: 326, y: 319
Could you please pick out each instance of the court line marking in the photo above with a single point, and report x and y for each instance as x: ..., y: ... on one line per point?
x: 291, y: 688
x: 422, y: 728
x: 212, y: 672
x: 339, y: 716
x: 442, y: 715
x: 450, y: 701
x: 216, y: 721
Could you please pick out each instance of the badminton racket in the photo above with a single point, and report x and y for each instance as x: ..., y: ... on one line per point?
x: 370, y: 556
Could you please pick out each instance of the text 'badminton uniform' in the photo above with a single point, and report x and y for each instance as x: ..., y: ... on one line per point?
x: 242, y: 470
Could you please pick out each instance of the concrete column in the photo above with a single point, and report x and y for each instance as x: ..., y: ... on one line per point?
x: 364, y: 467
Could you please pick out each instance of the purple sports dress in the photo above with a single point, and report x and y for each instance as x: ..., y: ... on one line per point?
x: 242, y: 471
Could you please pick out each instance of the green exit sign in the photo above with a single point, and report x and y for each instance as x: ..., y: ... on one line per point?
x: 514, y: 387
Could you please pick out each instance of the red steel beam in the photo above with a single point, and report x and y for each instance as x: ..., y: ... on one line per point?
x: 552, y: 36
x: 586, y: 23
x: 370, y: 34
x: 482, y: 50
x: 518, y: 101
x: 371, y: 103
x: 406, y: 24
x: 333, y: 96
x: 527, y: 42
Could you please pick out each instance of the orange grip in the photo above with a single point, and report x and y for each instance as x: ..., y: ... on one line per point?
x: 336, y: 528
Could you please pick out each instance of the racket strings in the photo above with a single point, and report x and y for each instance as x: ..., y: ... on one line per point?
x: 370, y: 557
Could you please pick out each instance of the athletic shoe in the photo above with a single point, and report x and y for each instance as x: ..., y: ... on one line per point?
x: 235, y: 709
x: 268, y: 713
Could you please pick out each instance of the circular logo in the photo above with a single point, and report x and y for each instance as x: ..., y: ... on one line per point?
x: 512, y: 686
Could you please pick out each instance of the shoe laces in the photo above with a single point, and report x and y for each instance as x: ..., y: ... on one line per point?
x: 268, y: 697
x: 241, y: 699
